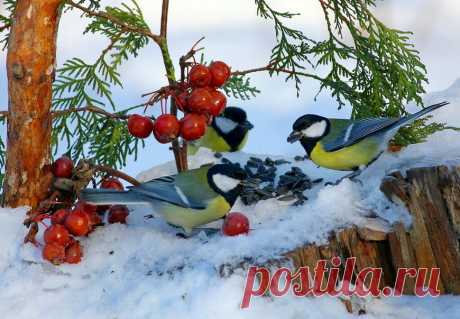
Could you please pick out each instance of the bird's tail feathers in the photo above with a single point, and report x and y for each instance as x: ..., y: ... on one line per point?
x: 410, y: 118
x: 110, y: 197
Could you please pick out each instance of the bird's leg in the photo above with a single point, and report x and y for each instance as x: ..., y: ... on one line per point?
x: 195, y: 231
x: 352, y: 176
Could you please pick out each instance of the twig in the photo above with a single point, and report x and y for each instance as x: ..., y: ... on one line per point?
x: 164, y: 19
x: 183, y: 59
x: 269, y: 68
x: 115, y: 20
x: 191, y: 52
x: 90, y: 108
x: 113, y: 172
x: 111, y: 45
x: 5, y: 26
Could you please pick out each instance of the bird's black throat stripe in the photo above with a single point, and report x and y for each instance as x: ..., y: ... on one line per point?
x: 308, y: 144
x: 229, y: 170
x: 234, y: 137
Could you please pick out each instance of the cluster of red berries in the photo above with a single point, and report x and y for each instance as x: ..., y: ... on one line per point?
x: 200, y: 100
x: 66, y: 224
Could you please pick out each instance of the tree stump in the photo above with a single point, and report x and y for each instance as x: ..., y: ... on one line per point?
x: 432, y: 198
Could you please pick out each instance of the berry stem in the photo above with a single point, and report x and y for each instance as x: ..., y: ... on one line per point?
x: 116, y: 173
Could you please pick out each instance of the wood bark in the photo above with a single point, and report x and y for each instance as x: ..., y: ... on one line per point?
x: 432, y: 198
x: 31, y: 63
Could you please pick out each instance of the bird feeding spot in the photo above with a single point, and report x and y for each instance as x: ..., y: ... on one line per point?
x: 262, y: 183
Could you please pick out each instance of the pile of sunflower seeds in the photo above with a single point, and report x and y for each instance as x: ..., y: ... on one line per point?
x: 262, y: 184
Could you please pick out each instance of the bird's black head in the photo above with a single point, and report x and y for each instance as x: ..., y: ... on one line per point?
x: 232, y: 125
x: 225, y: 179
x: 309, y: 129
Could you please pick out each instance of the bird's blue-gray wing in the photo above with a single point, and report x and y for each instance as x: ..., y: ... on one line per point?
x: 345, y: 133
x: 187, y: 189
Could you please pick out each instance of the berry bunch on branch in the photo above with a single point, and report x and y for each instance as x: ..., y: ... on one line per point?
x: 72, y: 108
x: 197, y: 96
x: 64, y: 218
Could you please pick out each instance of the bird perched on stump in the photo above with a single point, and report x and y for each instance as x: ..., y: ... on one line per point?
x: 348, y: 145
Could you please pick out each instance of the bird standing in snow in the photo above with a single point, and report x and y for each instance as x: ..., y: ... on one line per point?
x: 348, y: 145
x: 227, y: 133
x: 188, y: 199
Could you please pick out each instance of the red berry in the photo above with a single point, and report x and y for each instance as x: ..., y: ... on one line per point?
x: 193, y: 126
x: 102, y: 208
x: 77, y: 222
x: 199, y: 76
x: 63, y: 167
x: 54, y: 253
x: 218, y: 102
x: 90, y: 211
x: 118, y: 214
x: 94, y: 219
x: 112, y: 183
x: 220, y: 73
x: 73, y: 253
x: 140, y: 126
x: 200, y: 101
x: 57, y: 234
x: 166, y: 128
x: 59, y: 216
x: 85, y: 207
x: 235, y: 224
x: 182, y: 101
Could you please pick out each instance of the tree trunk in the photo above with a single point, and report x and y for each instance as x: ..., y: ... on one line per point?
x: 30, y: 66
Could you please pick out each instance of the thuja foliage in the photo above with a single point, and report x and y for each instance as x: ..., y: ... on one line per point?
x: 79, y: 84
x: 378, y: 72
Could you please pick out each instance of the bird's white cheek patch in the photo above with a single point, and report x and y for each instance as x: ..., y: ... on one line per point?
x: 315, y: 130
x: 225, y: 183
x: 225, y: 125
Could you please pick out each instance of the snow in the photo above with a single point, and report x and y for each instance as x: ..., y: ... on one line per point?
x: 143, y: 270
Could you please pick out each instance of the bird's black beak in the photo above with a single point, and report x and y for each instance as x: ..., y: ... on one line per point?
x: 248, y: 125
x: 294, y: 137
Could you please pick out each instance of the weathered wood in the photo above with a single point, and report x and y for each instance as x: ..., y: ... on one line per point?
x: 31, y: 63
x: 449, y: 181
x: 402, y: 254
x: 432, y: 234
x: 432, y: 197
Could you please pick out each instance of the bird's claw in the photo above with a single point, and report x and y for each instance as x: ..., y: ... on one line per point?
x: 196, y: 231
x: 352, y: 177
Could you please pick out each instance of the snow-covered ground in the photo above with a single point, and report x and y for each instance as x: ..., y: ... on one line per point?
x: 143, y: 270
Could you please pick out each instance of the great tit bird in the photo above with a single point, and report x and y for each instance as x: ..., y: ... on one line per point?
x: 188, y: 199
x: 348, y: 145
x: 227, y: 133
